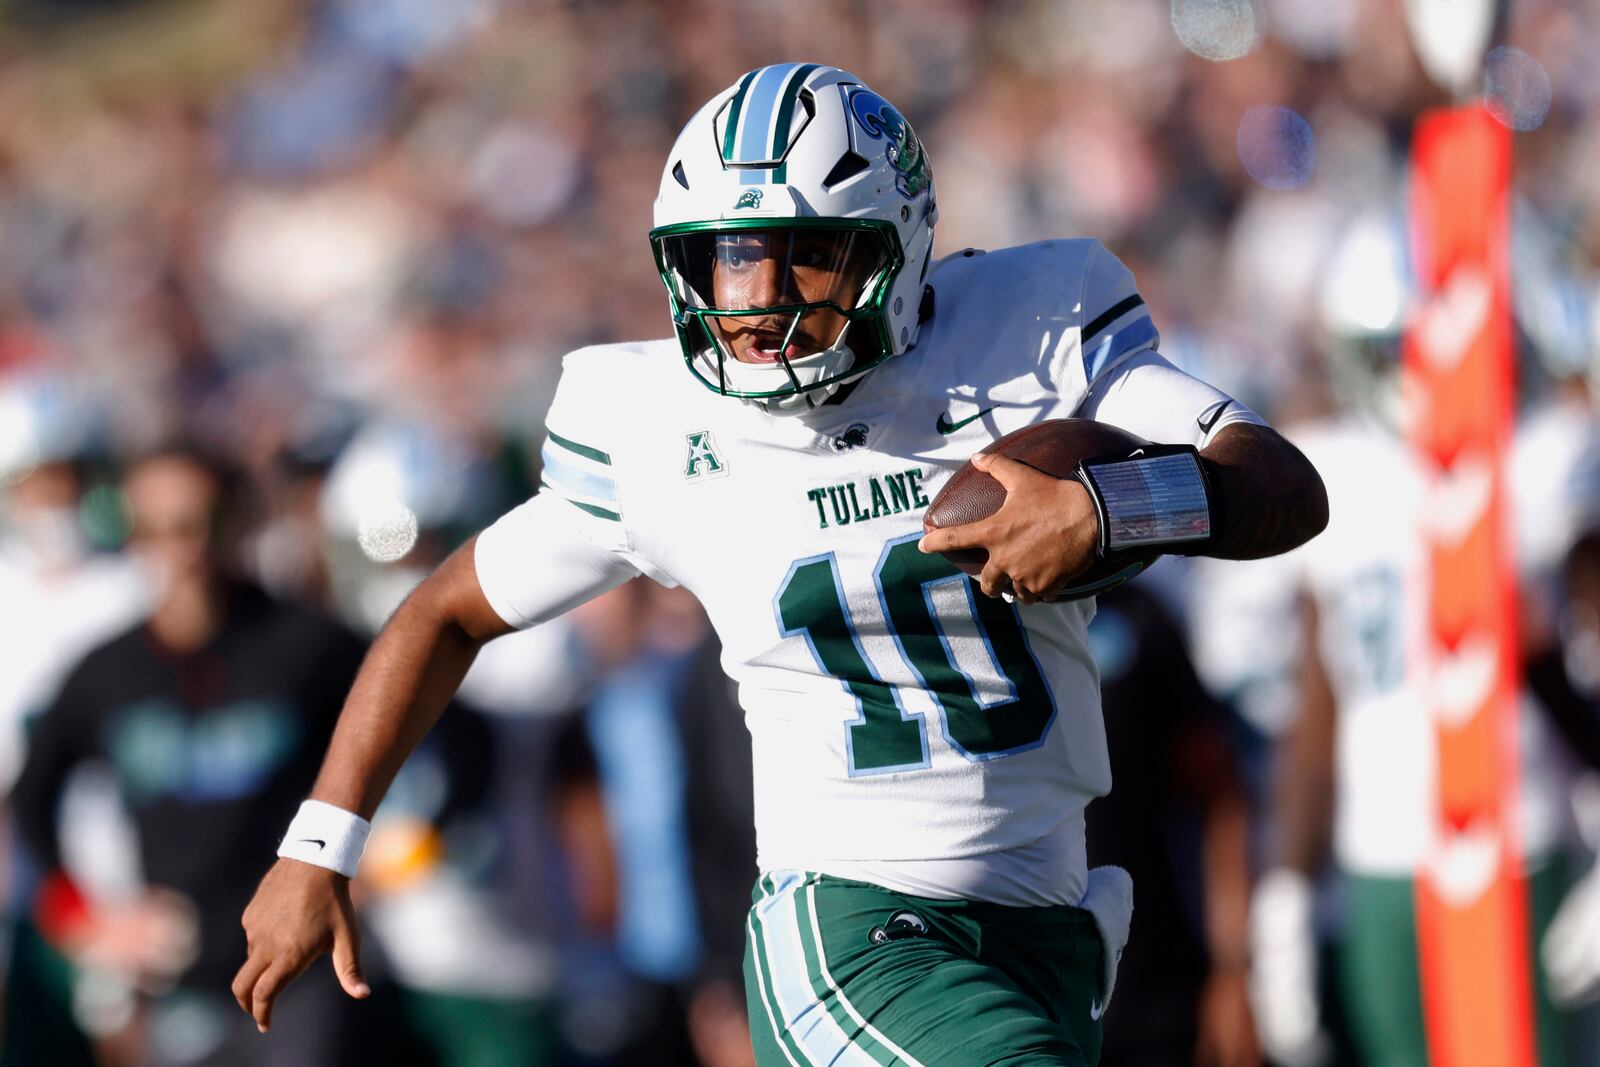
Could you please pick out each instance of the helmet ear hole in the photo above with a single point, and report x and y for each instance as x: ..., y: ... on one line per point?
x: 678, y: 175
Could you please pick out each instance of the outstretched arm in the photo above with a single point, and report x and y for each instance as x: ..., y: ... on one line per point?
x: 535, y: 562
x: 406, y: 681
x: 301, y: 911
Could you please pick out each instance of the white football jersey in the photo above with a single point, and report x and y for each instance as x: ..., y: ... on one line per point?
x: 1367, y: 573
x: 896, y: 714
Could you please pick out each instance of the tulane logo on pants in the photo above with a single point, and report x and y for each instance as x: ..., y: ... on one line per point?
x: 901, y: 925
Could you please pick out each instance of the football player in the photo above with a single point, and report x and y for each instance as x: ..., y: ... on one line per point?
x: 923, y: 750
x: 1358, y: 773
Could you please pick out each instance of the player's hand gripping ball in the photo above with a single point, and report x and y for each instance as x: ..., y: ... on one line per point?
x: 973, y: 497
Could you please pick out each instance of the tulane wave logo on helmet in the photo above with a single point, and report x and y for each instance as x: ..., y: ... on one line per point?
x: 881, y: 119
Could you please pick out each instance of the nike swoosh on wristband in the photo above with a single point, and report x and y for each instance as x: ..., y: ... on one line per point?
x: 1208, y: 418
x: 946, y: 427
x: 319, y: 842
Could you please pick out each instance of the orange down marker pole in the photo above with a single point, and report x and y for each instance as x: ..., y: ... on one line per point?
x: 1472, y: 925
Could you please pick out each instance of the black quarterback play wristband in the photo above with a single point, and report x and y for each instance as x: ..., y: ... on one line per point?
x: 1158, y: 497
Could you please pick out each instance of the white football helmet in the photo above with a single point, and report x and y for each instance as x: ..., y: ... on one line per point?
x: 793, y: 231
x: 1367, y: 296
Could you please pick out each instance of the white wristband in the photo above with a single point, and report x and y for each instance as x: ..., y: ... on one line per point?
x: 326, y: 836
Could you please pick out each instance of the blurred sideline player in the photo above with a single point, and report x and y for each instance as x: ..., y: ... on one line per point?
x: 1357, y: 764
x: 1178, y: 821
x: 922, y: 754
x: 58, y: 598
x: 209, y: 715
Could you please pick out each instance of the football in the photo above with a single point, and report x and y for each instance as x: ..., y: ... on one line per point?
x: 1055, y: 447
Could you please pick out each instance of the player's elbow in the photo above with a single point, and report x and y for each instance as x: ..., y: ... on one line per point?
x: 450, y: 600
x: 1310, y: 496
x: 1273, y: 499
x: 1295, y: 502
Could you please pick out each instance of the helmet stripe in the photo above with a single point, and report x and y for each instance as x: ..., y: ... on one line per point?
x: 780, y: 129
x: 730, y: 129
x: 755, y: 123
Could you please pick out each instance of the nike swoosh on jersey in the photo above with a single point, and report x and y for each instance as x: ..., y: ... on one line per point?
x: 946, y: 427
x: 1208, y: 418
x: 1096, y: 1009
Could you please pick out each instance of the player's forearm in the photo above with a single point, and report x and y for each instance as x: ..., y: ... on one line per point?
x: 404, y: 684
x: 1305, y: 803
x: 1226, y: 851
x: 1304, y: 776
x: 1270, y: 497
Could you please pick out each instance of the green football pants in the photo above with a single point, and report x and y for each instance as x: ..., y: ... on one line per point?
x: 844, y: 972
x: 1381, y: 980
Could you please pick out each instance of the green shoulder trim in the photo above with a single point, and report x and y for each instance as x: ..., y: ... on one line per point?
x: 582, y: 450
x: 597, y: 512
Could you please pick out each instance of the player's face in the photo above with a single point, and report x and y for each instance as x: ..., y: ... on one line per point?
x: 757, y: 269
x: 173, y: 504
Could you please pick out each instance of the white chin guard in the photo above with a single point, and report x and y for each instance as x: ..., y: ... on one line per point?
x: 768, y: 377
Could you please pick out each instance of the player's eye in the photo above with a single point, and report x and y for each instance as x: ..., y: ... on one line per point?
x: 812, y: 254
x: 739, y: 255
x: 814, y: 258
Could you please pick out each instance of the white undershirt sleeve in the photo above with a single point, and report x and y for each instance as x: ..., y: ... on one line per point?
x: 1148, y: 396
x: 537, y: 561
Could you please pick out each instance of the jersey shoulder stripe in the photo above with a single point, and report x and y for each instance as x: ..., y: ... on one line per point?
x: 577, y: 464
x: 586, y: 451
x: 1110, y: 315
x: 1115, y: 321
x: 1057, y: 313
x: 581, y: 473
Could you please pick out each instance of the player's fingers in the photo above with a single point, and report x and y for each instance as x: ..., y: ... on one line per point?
x: 347, y: 960
x: 268, y: 986
x: 950, y: 538
x: 244, y: 983
x: 994, y: 581
x: 1054, y: 589
x: 1007, y: 471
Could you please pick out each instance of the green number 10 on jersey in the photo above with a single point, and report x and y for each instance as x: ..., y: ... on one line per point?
x: 934, y: 640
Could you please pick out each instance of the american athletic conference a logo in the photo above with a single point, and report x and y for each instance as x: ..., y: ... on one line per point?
x: 703, y: 460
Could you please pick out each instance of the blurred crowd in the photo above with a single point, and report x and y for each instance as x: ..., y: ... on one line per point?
x: 336, y: 249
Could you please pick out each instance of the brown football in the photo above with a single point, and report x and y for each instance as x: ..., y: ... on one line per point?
x: 1055, y: 447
